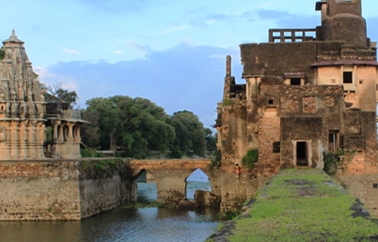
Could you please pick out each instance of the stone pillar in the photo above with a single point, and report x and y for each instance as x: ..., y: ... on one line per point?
x: 77, y: 133
x: 227, y: 80
x: 61, y: 133
x: 70, y: 132
x: 55, y: 130
x: 40, y: 139
x: 13, y: 144
x: 22, y: 138
x: 32, y: 144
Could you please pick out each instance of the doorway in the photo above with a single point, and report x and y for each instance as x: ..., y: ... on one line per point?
x: 302, y: 154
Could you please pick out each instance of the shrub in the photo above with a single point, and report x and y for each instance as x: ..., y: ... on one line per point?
x: 89, y: 153
x: 251, y: 158
x: 103, y: 169
x: 331, y: 162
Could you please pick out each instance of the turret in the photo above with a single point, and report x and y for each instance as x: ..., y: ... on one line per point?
x: 342, y: 20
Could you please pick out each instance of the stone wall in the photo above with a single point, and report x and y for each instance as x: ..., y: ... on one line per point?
x: 99, y: 196
x: 363, y: 187
x: 61, y: 190
x: 359, y: 175
x: 39, y: 191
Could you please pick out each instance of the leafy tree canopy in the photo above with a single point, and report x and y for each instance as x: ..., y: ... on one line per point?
x: 190, y: 135
x: 135, y: 125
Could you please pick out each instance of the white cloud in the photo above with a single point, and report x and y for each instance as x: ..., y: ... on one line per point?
x: 118, y: 52
x: 75, y: 52
x: 51, y: 79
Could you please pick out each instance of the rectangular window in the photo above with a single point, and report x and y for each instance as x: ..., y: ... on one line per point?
x: 295, y: 81
x: 348, y: 77
x: 276, y: 147
x: 270, y: 102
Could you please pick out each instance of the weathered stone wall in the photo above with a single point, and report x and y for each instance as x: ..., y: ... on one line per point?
x: 97, y: 196
x: 359, y: 175
x: 269, y: 133
x: 104, y: 185
x: 234, y: 131
x: 61, y: 190
x: 363, y: 187
x: 39, y: 191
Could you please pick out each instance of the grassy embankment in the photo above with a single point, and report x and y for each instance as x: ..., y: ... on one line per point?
x: 303, y: 205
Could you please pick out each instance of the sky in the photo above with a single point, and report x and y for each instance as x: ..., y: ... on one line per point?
x: 171, y: 52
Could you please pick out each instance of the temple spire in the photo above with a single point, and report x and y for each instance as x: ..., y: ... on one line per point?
x: 13, y: 39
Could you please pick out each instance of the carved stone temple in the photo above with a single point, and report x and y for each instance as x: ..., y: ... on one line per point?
x: 307, y: 91
x: 23, y: 115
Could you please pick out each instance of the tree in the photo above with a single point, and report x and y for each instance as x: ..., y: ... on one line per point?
x: 57, y: 93
x: 211, y: 140
x: 136, y: 126
x: 190, y: 135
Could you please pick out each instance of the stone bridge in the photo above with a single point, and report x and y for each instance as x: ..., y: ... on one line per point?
x: 170, y: 175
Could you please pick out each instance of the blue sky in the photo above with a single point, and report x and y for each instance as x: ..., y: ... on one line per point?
x: 171, y: 52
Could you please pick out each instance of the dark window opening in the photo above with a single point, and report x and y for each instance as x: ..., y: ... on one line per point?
x: 375, y: 185
x: 302, y: 154
x: 333, y: 141
x: 276, y: 147
x: 295, y: 81
x: 348, y: 77
x: 271, y: 102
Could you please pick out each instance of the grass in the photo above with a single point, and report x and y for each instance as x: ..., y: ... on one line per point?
x: 299, y: 206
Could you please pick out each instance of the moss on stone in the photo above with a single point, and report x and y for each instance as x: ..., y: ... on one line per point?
x: 103, y: 169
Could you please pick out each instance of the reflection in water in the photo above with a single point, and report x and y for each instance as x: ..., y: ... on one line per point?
x: 144, y: 224
x: 147, y: 224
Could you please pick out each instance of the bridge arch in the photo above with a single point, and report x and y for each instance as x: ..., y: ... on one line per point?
x: 146, y: 186
x: 197, y: 180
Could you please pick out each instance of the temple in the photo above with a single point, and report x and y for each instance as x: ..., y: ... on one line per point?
x: 23, y: 114
x: 307, y: 92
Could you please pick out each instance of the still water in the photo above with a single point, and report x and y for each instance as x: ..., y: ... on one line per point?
x: 144, y: 224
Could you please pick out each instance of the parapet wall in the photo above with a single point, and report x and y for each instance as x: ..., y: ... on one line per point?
x: 61, y: 190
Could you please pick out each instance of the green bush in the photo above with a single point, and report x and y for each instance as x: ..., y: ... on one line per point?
x: 89, y: 153
x: 251, y: 158
x: 332, y: 162
x: 103, y: 169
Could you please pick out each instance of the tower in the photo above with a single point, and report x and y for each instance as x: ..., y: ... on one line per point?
x: 342, y: 20
x: 22, y: 108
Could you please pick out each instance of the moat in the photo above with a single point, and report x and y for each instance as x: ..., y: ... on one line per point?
x: 143, y: 224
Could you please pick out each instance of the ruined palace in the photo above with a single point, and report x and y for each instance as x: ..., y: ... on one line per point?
x: 307, y: 91
x: 23, y: 115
